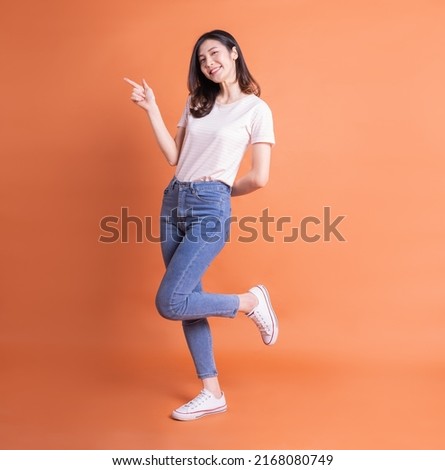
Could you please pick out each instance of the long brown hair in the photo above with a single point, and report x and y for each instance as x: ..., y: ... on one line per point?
x: 203, y: 92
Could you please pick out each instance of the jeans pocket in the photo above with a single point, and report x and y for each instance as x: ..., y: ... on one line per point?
x: 208, y: 196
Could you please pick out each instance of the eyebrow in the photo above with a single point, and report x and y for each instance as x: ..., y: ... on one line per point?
x: 202, y: 55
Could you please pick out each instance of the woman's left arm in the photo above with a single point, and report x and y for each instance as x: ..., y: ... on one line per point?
x: 258, y: 175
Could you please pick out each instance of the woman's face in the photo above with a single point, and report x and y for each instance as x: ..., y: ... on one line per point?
x: 217, y: 62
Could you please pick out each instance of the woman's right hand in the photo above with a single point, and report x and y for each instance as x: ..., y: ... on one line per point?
x: 142, y: 95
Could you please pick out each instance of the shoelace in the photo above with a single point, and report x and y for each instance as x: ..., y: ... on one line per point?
x: 197, y: 401
x: 260, y: 322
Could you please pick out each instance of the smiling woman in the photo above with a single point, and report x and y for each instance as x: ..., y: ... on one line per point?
x: 218, y: 58
x: 222, y: 116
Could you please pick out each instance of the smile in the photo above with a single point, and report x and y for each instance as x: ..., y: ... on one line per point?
x: 213, y: 71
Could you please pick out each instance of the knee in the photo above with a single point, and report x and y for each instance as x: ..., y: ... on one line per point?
x: 166, y: 306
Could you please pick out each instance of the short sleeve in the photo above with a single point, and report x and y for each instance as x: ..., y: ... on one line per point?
x: 262, y: 125
x: 185, y: 114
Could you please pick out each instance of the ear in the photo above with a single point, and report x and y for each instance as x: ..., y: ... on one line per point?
x: 234, y: 53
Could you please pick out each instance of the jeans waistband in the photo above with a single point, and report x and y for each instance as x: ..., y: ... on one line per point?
x: 215, y: 185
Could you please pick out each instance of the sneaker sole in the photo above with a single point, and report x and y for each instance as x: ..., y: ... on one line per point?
x: 198, y: 414
x: 272, y: 314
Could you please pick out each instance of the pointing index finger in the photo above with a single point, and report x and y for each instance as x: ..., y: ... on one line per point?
x: 136, y: 85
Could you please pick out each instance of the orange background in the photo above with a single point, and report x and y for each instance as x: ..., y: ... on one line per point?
x: 357, y: 93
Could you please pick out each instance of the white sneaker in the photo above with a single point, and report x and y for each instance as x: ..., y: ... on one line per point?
x: 264, y: 316
x: 202, y: 405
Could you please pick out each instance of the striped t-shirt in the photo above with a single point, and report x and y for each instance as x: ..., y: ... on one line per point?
x: 214, y: 145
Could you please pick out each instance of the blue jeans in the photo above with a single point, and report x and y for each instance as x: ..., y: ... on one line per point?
x: 195, y: 224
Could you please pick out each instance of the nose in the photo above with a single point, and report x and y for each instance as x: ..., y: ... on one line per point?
x: 208, y: 62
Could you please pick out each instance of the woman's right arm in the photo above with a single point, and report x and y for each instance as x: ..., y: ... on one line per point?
x: 144, y: 97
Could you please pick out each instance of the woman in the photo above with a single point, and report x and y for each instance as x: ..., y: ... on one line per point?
x: 222, y: 116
